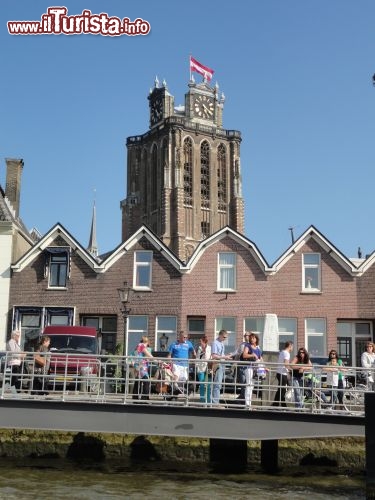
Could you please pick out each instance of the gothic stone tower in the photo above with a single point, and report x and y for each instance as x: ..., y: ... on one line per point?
x: 184, y: 174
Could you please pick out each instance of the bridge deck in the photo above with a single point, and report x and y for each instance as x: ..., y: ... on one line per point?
x: 174, y: 421
x: 108, y: 396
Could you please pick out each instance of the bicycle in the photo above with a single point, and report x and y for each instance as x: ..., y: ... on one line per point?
x: 354, y: 396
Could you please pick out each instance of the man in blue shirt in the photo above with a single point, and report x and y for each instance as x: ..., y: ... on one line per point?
x: 218, y: 353
x: 181, y: 350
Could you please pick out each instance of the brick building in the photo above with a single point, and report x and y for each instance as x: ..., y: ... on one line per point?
x: 186, y: 259
x: 314, y: 291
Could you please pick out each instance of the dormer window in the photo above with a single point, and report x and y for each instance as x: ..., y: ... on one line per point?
x: 57, y: 266
x: 311, y: 272
x: 226, y: 276
x: 142, y: 278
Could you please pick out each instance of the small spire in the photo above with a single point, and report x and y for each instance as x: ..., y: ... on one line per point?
x: 93, y: 246
x: 156, y: 82
x: 164, y: 83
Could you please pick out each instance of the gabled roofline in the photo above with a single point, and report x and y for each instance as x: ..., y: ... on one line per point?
x: 239, y: 238
x: 46, y: 241
x: 312, y: 232
x: 367, y: 263
x: 126, y: 246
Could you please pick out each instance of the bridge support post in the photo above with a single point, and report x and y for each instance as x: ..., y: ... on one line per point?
x: 269, y: 455
x: 228, y: 455
x: 370, y: 444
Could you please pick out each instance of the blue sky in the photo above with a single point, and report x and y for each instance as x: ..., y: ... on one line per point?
x: 297, y: 76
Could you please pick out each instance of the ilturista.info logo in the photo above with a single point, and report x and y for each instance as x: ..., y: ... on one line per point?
x: 57, y: 22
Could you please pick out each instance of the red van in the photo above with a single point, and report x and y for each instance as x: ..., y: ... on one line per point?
x: 74, y: 363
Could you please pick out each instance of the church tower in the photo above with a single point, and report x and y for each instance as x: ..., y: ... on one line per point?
x: 184, y: 174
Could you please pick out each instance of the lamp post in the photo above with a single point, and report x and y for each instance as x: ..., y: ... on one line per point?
x: 124, y: 294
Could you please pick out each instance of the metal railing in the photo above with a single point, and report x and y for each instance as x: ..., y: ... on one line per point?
x: 162, y: 381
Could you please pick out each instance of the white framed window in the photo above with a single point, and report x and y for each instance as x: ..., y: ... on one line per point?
x: 58, y: 267
x: 287, y: 332
x: 196, y: 329
x: 166, y: 332
x: 228, y: 324
x: 255, y: 325
x: 311, y: 272
x: 316, y: 337
x: 352, y: 337
x: 107, y: 326
x: 137, y: 328
x: 142, y: 278
x: 226, y: 279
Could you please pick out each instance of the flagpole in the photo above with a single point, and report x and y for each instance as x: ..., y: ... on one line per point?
x: 190, y: 67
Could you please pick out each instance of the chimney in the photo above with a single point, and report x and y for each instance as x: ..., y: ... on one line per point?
x: 13, y: 183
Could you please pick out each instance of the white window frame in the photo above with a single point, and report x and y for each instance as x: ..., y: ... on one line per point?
x: 170, y: 333
x: 58, y: 268
x: 309, y: 284
x: 257, y: 328
x: 311, y: 332
x: 134, y: 334
x: 221, y: 323
x: 138, y: 265
x: 286, y: 333
x: 226, y: 267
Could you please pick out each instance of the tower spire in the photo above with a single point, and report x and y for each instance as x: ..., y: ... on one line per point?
x: 93, y: 246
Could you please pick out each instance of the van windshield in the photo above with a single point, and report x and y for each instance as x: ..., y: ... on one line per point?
x: 73, y: 343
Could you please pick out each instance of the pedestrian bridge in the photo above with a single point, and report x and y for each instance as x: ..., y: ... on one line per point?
x: 107, y: 395
x: 151, y: 419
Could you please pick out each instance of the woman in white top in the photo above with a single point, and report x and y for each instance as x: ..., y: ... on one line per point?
x: 368, y: 361
x: 203, y: 353
x: 15, y: 358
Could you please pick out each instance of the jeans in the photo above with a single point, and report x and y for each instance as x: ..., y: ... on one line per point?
x: 241, y: 380
x: 218, y: 380
x: 298, y: 392
x: 204, y: 389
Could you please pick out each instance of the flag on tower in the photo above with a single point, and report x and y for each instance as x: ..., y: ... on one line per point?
x: 196, y: 66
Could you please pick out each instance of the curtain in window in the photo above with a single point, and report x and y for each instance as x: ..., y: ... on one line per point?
x: 226, y: 262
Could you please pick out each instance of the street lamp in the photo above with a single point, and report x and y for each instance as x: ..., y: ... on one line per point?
x: 124, y: 294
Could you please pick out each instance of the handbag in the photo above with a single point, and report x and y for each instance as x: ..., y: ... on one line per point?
x: 260, y: 371
x: 289, y: 396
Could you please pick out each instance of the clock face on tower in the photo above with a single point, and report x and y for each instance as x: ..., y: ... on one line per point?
x: 156, y: 110
x: 204, y: 107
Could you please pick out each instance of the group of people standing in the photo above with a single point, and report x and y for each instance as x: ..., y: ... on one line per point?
x: 209, y: 366
x: 39, y: 363
x: 297, y: 373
